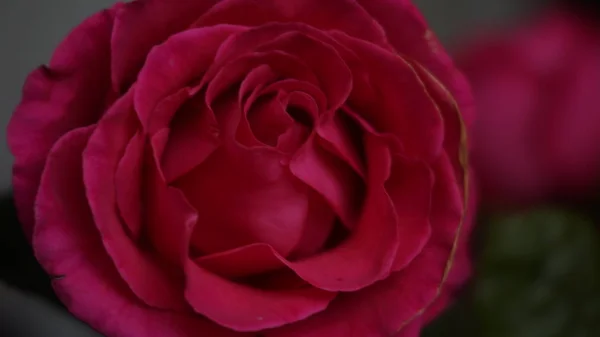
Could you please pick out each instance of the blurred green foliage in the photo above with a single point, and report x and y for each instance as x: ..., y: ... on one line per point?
x: 537, y: 275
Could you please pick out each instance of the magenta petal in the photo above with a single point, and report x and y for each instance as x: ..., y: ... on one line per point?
x: 461, y: 266
x: 128, y: 185
x: 242, y: 262
x: 62, y: 181
x: 170, y: 219
x: 412, y: 329
x: 167, y: 108
x: 174, y: 65
x: 250, y: 89
x: 284, y: 64
x: 336, y: 182
x: 141, y: 25
x: 410, y: 188
x: 245, y: 197
x: 268, y: 119
x: 335, y: 78
x: 304, y: 102
x: 453, y: 121
x: 343, y: 137
x: 364, y: 258
x: 100, y: 159
x: 68, y: 246
x: 393, y: 306
x: 408, y: 32
x: 63, y: 96
x: 293, y: 138
x: 194, y: 135
x: 317, y: 228
x: 410, y: 114
x: 343, y: 15
x: 368, y: 254
x: 427, y: 274
x: 242, y: 308
x: 294, y: 39
x: 252, y: 85
x: 292, y: 85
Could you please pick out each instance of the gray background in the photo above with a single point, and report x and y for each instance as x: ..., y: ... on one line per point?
x: 30, y: 30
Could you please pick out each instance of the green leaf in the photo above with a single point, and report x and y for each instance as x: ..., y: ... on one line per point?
x: 539, y: 276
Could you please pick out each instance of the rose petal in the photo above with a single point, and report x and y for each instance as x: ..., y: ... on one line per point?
x: 343, y: 15
x: 167, y: 107
x: 170, y: 218
x: 269, y: 119
x: 291, y: 85
x: 256, y: 79
x: 410, y: 189
x: 100, y: 161
x: 335, y: 78
x: 367, y: 255
x: 245, y: 197
x: 128, y: 185
x: 293, y: 138
x: 302, y: 106
x: 242, y: 262
x: 63, y: 96
x: 194, y: 135
x: 461, y: 265
x: 172, y: 66
x: 141, y: 25
x: 68, y: 245
x: 254, y: 309
x: 305, y: 111
x: 395, y: 304
x: 284, y: 64
x: 408, y: 32
x: 412, y: 115
x: 295, y: 39
x: 454, y: 127
x: 252, y: 85
x: 317, y: 228
x: 336, y: 182
x: 412, y: 329
x: 341, y: 135
x: 428, y: 272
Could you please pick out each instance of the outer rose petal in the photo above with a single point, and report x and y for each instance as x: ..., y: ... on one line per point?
x: 67, y: 245
x: 413, y: 329
x: 407, y: 31
x: 100, y: 161
x: 67, y: 94
x: 411, y: 114
x: 343, y: 15
x: 244, y: 308
x: 397, y: 303
x: 410, y: 188
x: 141, y: 25
x: 461, y: 266
x: 128, y: 185
x: 172, y: 66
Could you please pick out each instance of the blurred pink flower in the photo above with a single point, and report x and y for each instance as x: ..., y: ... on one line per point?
x: 538, y: 93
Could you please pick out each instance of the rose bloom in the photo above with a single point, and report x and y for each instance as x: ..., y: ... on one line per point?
x: 537, y: 91
x: 247, y: 168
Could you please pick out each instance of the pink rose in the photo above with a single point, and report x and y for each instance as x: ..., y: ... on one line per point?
x: 247, y: 168
x: 537, y: 91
